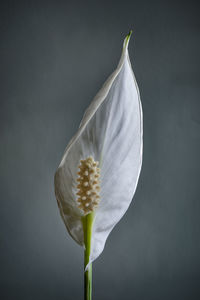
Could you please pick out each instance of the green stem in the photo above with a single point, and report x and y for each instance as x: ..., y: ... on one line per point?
x: 87, y: 228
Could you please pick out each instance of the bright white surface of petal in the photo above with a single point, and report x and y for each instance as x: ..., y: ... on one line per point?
x: 121, y: 158
x: 111, y: 132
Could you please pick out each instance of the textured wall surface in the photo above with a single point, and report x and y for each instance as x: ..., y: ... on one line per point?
x: 54, y: 57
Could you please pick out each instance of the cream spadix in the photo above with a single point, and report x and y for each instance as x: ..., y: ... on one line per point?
x: 101, y: 165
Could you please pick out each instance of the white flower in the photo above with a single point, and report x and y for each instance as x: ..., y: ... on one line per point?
x: 101, y: 165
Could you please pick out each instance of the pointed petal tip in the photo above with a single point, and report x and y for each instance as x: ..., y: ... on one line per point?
x: 129, y: 34
x: 127, y: 39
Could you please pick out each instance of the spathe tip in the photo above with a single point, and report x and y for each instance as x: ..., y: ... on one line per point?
x: 127, y: 38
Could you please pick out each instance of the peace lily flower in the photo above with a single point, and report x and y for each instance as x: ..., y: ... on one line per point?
x: 98, y: 174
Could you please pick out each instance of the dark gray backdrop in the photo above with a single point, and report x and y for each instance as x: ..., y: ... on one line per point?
x: 55, y: 55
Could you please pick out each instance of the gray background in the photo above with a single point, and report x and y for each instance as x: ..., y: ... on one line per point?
x: 54, y: 58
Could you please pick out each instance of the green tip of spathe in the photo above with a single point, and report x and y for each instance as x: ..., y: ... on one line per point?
x: 128, y: 37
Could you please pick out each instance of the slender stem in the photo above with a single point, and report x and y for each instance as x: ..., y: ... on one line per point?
x: 87, y: 228
x: 88, y: 283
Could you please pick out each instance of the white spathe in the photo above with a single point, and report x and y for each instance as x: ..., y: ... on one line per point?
x: 111, y: 132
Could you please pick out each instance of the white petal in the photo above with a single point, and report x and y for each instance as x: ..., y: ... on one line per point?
x: 111, y: 131
x: 122, y: 155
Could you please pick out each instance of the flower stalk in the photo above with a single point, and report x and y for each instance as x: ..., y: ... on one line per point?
x: 87, y: 229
